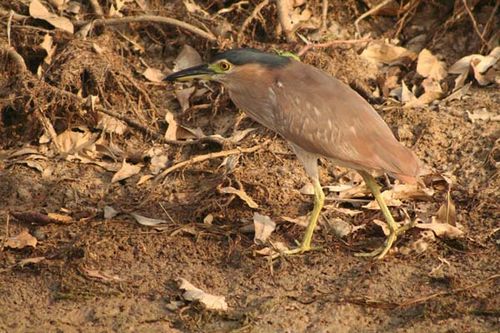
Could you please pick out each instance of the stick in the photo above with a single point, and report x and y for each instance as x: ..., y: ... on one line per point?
x: 284, y: 18
x: 368, y: 13
x: 149, y: 18
x: 474, y: 23
x: 9, y: 24
x: 331, y: 43
x: 6, y: 232
x: 255, y: 12
x: 488, y: 23
x: 324, y: 15
x: 96, y: 7
x: 201, y: 158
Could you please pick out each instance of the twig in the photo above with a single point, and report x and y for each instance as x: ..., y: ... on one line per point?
x: 426, y: 298
x: 149, y: 18
x: 331, y: 43
x: 249, y: 19
x: 9, y: 24
x: 474, y: 23
x: 488, y: 23
x: 201, y: 158
x: 15, y: 16
x: 368, y: 13
x: 96, y: 7
x: 283, y: 7
x: 6, y: 232
x: 16, y: 57
x: 324, y: 15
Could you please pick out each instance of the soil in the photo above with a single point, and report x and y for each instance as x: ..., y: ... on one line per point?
x: 114, y: 275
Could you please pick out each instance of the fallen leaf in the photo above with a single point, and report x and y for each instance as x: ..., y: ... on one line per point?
x: 241, y: 194
x: 38, y: 11
x: 302, y: 221
x: 482, y: 114
x: 342, y: 228
x: 429, y: 66
x: 192, y: 7
x: 183, y: 96
x: 307, y: 189
x: 380, y: 52
x: 208, y: 219
x: 171, y: 133
x: 339, y: 187
x: 188, y: 57
x: 48, y: 46
x: 127, y: 170
x: 144, y: 179
x: 111, y: 125
x: 93, y: 273
x: 407, y: 95
x: 276, y: 248
x: 75, y: 141
x: 22, y: 240
x: 60, y: 218
x: 441, y: 229
x: 147, y: 221
x: 153, y: 74
x: 264, y: 227
x: 237, y: 136
x: 459, y: 93
x: 211, y: 302
x: 482, y: 66
x: 109, y: 212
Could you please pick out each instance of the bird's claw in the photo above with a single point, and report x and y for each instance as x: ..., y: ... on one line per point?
x: 299, y: 250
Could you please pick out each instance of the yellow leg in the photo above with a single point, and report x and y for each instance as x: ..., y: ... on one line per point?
x: 319, y: 199
x: 393, y: 226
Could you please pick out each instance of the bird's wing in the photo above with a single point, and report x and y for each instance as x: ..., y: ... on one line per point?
x: 325, y: 116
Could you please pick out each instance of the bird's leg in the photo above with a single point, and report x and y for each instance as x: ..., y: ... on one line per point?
x: 394, y: 229
x: 319, y: 199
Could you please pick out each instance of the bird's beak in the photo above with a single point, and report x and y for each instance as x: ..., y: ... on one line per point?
x: 197, y: 72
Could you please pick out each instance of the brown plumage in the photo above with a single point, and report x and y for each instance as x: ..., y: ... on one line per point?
x: 319, y: 116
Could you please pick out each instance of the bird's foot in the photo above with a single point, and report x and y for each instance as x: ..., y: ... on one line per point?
x: 383, y: 250
x: 299, y: 250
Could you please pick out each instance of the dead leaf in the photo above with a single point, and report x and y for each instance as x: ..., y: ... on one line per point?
x: 72, y: 142
x: 153, y: 74
x: 147, y: 221
x: 276, y: 248
x: 144, y: 179
x: 48, y: 46
x: 482, y: 66
x: 60, y: 218
x: 22, y: 240
x: 342, y: 228
x: 406, y: 94
x: 109, y: 212
x: 192, y: 7
x: 188, y: 57
x: 211, y: 302
x: 459, y: 93
x: 111, y: 125
x: 441, y: 229
x: 208, y: 219
x: 429, y: 66
x: 171, y: 133
x: 241, y: 194
x: 380, y: 52
x: 127, y: 170
x: 38, y: 11
x: 400, y: 192
x: 307, y: 189
x: 183, y: 96
x: 482, y: 114
x: 93, y: 273
x: 264, y: 227
x: 302, y: 221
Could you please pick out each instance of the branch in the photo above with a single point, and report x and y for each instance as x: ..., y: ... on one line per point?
x: 284, y: 7
x: 331, y: 43
x: 250, y: 18
x: 149, y: 18
x: 474, y: 23
x: 201, y: 158
x: 368, y: 13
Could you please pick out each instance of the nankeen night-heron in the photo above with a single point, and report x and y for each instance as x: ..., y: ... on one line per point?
x: 319, y: 116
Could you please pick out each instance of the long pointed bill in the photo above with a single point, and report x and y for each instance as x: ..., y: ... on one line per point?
x: 196, y: 72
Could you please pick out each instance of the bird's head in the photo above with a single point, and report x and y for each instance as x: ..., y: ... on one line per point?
x: 232, y: 66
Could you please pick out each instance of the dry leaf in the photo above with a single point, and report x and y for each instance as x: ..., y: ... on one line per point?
x: 429, y: 66
x: 171, y: 133
x: 380, y: 52
x: 21, y: 241
x: 183, y: 96
x: 147, y: 221
x: 400, y: 192
x: 441, y: 229
x: 264, y: 227
x: 406, y: 95
x: 342, y: 228
x: 60, y: 218
x: 112, y: 125
x: 153, y: 74
x: 210, y: 302
x: 72, y: 142
x: 276, y: 248
x: 307, y: 189
x: 302, y: 221
x: 188, y: 57
x: 192, y: 7
x: 144, y: 179
x: 482, y: 66
x: 482, y: 114
x: 38, y: 11
x: 92, y: 273
x: 241, y: 194
x: 109, y: 212
x: 48, y: 46
x: 127, y: 170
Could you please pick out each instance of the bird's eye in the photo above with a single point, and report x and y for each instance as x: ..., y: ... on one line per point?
x: 225, y: 66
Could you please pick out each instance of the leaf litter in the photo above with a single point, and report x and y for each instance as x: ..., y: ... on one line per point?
x: 194, y: 294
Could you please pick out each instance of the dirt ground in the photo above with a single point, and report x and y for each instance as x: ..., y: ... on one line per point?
x: 91, y: 273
